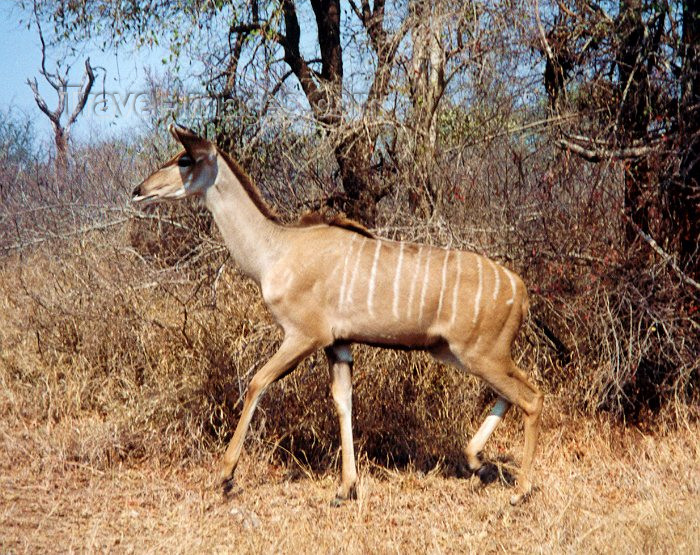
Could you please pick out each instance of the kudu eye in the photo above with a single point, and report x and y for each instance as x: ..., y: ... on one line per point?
x: 184, y: 161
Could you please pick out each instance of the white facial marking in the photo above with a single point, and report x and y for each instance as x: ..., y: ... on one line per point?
x: 358, y: 258
x: 344, y: 282
x: 414, y: 281
x: 372, y: 279
x: 442, y: 283
x: 455, y: 289
x: 511, y: 277
x: 397, y: 281
x: 477, y: 299
x: 496, y: 277
x: 424, y: 290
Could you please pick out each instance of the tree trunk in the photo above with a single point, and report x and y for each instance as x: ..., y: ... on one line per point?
x: 684, y: 193
x: 427, y: 84
x: 354, y: 158
x: 354, y: 152
x: 641, y: 205
x: 61, y: 161
x: 324, y: 92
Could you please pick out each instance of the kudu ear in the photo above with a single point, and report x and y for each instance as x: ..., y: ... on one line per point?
x: 195, y: 145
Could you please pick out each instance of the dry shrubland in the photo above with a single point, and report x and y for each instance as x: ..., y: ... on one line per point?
x: 128, y: 339
x: 559, y: 139
x: 138, y: 324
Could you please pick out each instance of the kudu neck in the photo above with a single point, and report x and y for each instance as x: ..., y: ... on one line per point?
x: 252, y: 238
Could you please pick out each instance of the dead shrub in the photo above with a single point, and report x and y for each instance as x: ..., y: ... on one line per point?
x: 128, y: 361
x: 170, y: 234
x: 132, y: 337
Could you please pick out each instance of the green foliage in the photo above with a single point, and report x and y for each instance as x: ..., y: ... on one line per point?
x: 17, y: 139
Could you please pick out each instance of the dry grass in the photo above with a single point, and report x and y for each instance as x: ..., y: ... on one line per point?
x: 131, y: 363
x: 599, y: 490
x: 117, y: 400
x: 125, y: 353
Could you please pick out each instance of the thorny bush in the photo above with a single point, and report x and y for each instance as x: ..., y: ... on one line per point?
x: 133, y: 333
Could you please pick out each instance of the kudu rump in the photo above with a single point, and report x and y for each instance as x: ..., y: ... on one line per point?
x: 330, y: 285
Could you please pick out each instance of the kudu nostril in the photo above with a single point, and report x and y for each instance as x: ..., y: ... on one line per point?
x: 136, y: 192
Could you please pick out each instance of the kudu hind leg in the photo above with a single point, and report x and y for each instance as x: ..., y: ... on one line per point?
x: 532, y: 411
x: 476, y: 444
x: 290, y: 353
x: 512, y: 384
x: 340, y: 367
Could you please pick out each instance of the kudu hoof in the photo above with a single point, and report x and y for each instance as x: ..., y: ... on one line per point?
x: 340, y: 499
x: 487, y: 473
x: 228, y: 487
x: 520, y: 496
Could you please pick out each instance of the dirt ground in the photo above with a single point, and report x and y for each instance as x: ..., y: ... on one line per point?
x: 598, y: 490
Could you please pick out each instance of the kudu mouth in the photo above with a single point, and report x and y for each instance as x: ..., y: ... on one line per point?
x: 138, y: 198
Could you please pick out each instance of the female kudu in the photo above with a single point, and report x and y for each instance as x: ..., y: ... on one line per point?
x: 332, y: 285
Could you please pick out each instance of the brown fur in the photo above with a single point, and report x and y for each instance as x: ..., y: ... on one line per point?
x: 249, y: 187
x: 307, y: 220
x: 318, y: 218
x: 466, y: 310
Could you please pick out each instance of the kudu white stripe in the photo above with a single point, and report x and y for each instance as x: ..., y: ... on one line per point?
x: 297, y: 269
x: 455, y: 289
x: 373, y: 279
x: 442, y: 283
x: 424, y: 289
x: 397, y: 283
x: 511, y: 277
x: 496, y: 279
x: 477, y: 297
x: 341, y: 297
x: 414, y: 282
x: 358, y: 259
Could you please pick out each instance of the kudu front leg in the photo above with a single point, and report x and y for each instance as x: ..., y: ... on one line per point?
x: 290, y: 353
x: 340, y: 366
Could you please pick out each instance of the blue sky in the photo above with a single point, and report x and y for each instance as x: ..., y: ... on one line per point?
x: 125, y: 78
x: 125, y: 83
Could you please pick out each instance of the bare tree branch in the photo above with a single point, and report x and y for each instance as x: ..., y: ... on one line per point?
x: 85, y: 88
x: 667, y: 258
x: 543, y: 36
x: 59, y: 82
x: 600, y: 154
x: 53, y: 116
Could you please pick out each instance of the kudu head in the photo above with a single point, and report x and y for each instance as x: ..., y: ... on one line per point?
x: 190, y: 172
